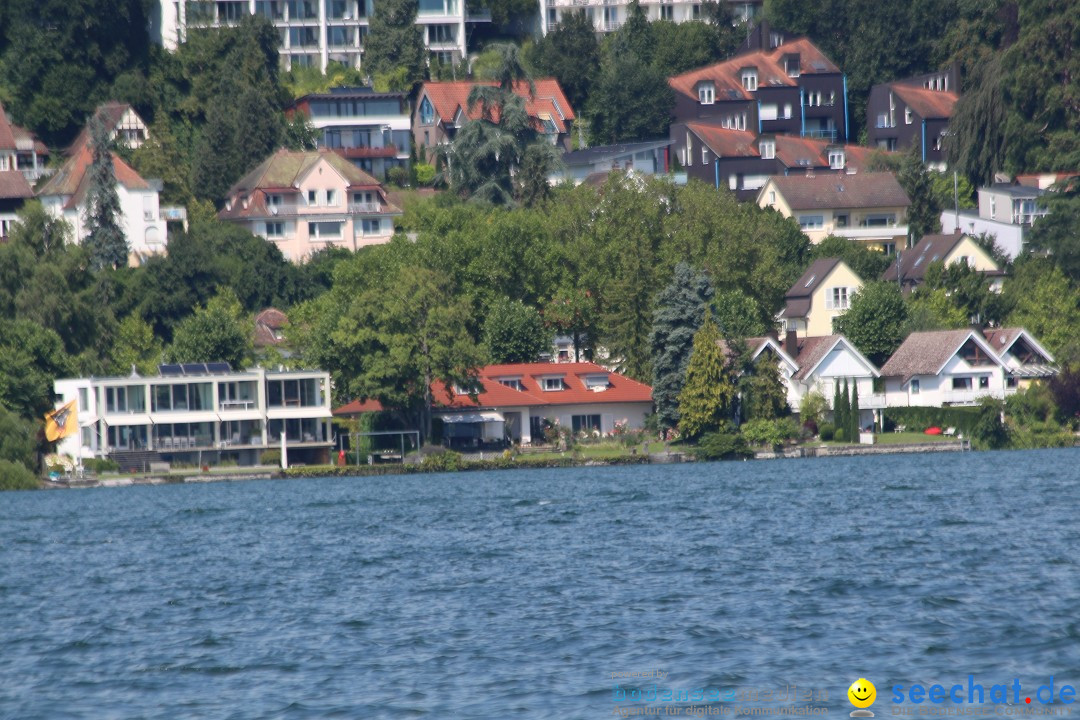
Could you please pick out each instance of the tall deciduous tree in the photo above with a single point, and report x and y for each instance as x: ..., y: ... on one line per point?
x: 680, y: 308
x: 707, y: 399
x: 105, y: 240
x: 571, y: 54
x: 855, y: 411
x: 514, y: 332
x: 924, y: 214
x: 875, y: 320
x: 395, y: 42
x: 220, y: 331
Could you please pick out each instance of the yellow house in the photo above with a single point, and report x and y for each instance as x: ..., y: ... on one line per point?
x: 910, y: 265
x: 823, y: 292
x: 868, y: 208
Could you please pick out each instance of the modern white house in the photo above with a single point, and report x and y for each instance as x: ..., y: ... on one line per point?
x: 315, y: 32
x: 372, y: 130
x: 1026, y: 360
x: 198, y: 411
x: 1005, y: 211
x: 609, y: 15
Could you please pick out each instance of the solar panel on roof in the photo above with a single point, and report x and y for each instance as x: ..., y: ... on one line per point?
x: 170, y: 370
x: 217, y: 367
x: 193, y: 368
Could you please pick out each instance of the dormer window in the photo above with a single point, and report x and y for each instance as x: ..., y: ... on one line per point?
x: 791, y: 66
x: 512, y: 383
x: 836, y: 159
x: 427, y: 112
x: 749, y: 79
x: 597, y: 383
x: 767, y: 149
x: 551, y: 384
x: 706, y: 93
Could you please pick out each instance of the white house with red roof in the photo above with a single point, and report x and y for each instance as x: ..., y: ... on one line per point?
x: 512, y: 402
x: 64, y: 196
x: 443, y: 107
x: 21, y: 150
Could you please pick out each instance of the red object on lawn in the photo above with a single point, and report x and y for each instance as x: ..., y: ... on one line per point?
x: 932, y: 431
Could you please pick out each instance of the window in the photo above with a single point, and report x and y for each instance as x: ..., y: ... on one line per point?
x: 689, y: 149
x: 767, y: 112
x: 787, y: 111
x: 331, y: 198
x: 321, y: 230
x: 586, y: 423
x: 915, y: 386
x: 514, y: 383
x: 811, y: 222
x: 841, y: 221
x: 813, y: 98
x: 442, y: 34
x: 597, y: 382
x: 84, y: 399
x: 836, y: 159
x: 275, y: 229
x: 372, y: 226
x: 706, y: 93
x: 555, y: 383
x: 273, y: 200
x: 772, y: 197
x: 696, y: 12
x: 749, y: 79
x: 427, y: 111
x: 1010, y: 382
x: 937, y: 143
x: 961, y: 383
x: 993, y: 207
x: 984, y: 382
x: 733, y: 182
x: 791, y: 66
x: 704, y: 155
x: 767, y: 148
x: 667, y: 12
x: 837, y: 299
x: 907, y: 116
x: 313, y: 197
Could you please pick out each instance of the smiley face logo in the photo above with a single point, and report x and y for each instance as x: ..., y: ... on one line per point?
x: 862, y: 694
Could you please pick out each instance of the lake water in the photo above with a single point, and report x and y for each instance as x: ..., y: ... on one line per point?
x: 521, y: 594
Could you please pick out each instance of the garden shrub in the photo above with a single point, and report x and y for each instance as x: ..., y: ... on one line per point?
x: 15, y: 476
x: 826, y: 431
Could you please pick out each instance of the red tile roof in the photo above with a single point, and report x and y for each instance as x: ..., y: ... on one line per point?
x: 73, y: 178
x: 925, y: 102
x: 494, y: 394
x: 12, y: 136
x: 727, y: 78
x: 791, y: 150
x: 549, y: 99
x: 110, y: 114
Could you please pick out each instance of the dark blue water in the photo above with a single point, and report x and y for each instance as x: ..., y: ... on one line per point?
x: 519, y: 594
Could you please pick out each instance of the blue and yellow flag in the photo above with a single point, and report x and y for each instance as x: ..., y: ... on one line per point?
x: 62, y: 422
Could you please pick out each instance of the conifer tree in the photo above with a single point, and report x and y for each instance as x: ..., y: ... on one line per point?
x: 680, y: 308
x: 709, y: 393
x: 845, y: 404
x: 837, y: 411
x: 105, y: 240
x: 855, y: 425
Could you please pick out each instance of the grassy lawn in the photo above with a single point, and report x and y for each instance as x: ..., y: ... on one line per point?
x: 904, y: 438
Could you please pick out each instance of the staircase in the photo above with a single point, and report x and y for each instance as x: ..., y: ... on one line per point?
x: 134, y: 460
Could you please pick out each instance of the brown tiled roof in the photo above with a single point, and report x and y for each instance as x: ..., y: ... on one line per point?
x: 1001, y: 339
x: 284, y: 168
x: 549, y: 99
x: 727, y: 79
x: 110, y: 114
x: 268, y: 325
x: 13, y: 186
x: 925, y: 353
x: 792, y: 151
x: 810, y: 280
x: 933, y: 104
x: 812, y: 350
x: 930, y: 249
x: 73, y: 178
x: 11, y: 134
x: 833, y: 190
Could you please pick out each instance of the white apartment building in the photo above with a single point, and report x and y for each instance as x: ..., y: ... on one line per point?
x: 314, y: 32
x: 199, y: 410
x: 609, y: 15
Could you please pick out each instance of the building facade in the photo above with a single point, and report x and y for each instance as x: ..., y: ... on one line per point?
x: 307, y: 201
x: 821, y: 294
x: 792, y: 88
x: 21, y: 150
x: 1006, y: 212
x: 372, y: 130
x: 315, y: 32
x: 868, y: 208
x: 196, y: 411
x: 915, y: 111
x: 608, y: 16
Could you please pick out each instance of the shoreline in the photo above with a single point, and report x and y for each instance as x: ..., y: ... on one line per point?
x: 801, y: 452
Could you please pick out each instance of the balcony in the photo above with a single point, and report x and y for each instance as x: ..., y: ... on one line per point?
x: 870, y: 401
x: 610, y: 26
x: 969, y: 397
x: 821, y: 134
x: 365, y: 208
x: 478, y: 16
x: 867, y: 234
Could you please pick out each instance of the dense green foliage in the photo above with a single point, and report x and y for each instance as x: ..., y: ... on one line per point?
x: 105, y: 240
x: 708, y: 396
x: 395, y: 44
x: 764, y: 395
x: 514, y: 332
x: 874, y: 322
x: 680, y: 308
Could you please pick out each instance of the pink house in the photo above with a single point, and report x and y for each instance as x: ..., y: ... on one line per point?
x: 306, y: 201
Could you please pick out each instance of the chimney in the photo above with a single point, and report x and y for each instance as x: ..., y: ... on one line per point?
x: 791, y: 343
